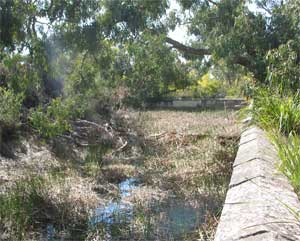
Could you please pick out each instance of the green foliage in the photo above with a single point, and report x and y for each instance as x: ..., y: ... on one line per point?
x: 20, y: 76
x: 55, y: 118
x: 125, y: 19
x: 232, y: 32
x: 289, y: 153
x: 11, y: 24
x: 274, y: 112
x: 205, y: 87
x: 228, y: 29
x: 247, y: 87
x: 154, y: 72
x: 10, y: 106
x: 284, y: 68
x: 280, y: 116
x: 209, y: 87
x: 239, y: 82
x: 97, y: 81
x: 19, y: 25
x: 82, y: 79
x: 233, y: 91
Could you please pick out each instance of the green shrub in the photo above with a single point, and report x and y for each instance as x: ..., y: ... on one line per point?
x: 20, y: 76
x: 280, y: 116
x: 209, y: 87
x: 203, y: 88
x: 55, y: 119
x: 272, y: 111
x: 10, y: 105
x: 283, y: 67
x: 233, y: 91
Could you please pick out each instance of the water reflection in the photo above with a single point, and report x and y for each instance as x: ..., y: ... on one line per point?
x: 168, y: 219
x: 116, y: 211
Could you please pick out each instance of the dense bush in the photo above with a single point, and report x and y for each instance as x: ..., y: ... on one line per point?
x: 283, y: 67
x: 10, y: 106
x: 205, y: 87
x: 19, y: 75
x: 55, y: 118
x: 209, y: 87
x: 154, y: 70
x: 276, y: 112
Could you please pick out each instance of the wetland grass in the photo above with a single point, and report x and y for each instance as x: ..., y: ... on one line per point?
x: 180, y: 161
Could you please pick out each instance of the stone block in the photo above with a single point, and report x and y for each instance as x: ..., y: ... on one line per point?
x: 260, y: 203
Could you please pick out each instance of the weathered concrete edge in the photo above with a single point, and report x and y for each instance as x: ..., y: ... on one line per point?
x: 260, y: 202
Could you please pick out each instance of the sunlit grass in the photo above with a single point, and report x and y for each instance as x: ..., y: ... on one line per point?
x: 280, y: 116
x: 289, y: 153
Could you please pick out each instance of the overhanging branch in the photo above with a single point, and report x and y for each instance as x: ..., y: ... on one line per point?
x: 181, y: 47
x: 212, y: 2
x: 241, y: 60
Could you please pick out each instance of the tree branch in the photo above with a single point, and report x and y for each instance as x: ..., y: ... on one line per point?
x: 241, y: 60
x: 212, y: 2
x: 183, y: 48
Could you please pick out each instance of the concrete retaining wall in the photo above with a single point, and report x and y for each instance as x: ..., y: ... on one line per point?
x: 214, y: 103
x: 260, y: 203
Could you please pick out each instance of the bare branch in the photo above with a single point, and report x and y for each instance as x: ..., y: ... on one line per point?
x: 181, y: 47
x: 241, y: 60
x: 212, y: 2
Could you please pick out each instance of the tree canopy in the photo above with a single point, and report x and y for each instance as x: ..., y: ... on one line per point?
x: 75, y: 48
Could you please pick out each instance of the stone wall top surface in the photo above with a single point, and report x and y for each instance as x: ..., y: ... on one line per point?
x: 260, y: 203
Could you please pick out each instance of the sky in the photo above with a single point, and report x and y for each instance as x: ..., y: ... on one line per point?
x: 180, y: 32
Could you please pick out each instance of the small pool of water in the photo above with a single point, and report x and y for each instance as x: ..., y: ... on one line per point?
x: 119, y: 210
x: 167, y: 219
x: 121, y: 219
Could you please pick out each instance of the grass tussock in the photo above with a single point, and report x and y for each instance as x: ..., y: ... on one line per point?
x: 31, y: 203
x: 280, y: 116
x: 276, y: 112
x: 289, y: 154
x: 20, y: 208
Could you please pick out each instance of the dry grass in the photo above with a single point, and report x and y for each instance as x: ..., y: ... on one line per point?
x: 175, y: 155
x: 37, y: 189
x: 194, y: 150
x: 187, y: 158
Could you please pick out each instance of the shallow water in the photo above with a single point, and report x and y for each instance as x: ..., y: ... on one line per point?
x: 119, y: 210
x: 169, y: 219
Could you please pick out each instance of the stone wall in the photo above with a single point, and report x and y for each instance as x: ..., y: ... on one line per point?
x: 213, y: 103
x: 260, y: 203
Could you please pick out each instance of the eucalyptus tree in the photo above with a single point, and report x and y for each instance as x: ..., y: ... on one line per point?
x: 225, y: 30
